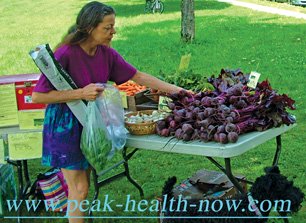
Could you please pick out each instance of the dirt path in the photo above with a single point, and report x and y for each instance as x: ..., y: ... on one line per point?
x: 266, y: 9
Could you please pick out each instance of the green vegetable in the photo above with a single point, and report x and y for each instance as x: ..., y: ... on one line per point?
x: 95, y: 143
x: 95, y: 146
x: 188, y: 80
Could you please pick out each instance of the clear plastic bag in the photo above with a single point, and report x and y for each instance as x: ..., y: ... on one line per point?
x: 104, y: 131
x: 110, y: 106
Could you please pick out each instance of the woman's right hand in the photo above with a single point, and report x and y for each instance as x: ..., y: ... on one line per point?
x: 91, y: 92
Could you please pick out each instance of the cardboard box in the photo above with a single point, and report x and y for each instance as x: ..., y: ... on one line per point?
x: 224, y: 194
x: 214, y: 181
x: 206, y: 184
x: 188, y: 191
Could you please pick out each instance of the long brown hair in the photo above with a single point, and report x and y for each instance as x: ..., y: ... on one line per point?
x: 88, y: 18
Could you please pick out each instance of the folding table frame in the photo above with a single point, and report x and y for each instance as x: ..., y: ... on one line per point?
x: 163, y: 144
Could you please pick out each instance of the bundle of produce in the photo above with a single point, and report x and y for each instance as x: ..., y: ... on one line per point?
x: 187, y: 79
x: 130, y: 88
x: 229, y: 110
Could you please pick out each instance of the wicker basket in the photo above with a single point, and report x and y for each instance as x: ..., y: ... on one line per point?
x: 141, y: 128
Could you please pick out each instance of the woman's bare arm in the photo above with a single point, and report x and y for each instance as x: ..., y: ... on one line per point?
x: 89, y: 93
x: 155, y: 83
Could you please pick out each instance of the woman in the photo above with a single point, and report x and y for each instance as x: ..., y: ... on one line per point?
x: 85, y: 54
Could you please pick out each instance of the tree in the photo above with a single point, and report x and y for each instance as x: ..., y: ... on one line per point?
x: 188, y: 21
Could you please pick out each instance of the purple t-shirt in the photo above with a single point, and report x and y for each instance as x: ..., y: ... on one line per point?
x: 62, y: 131
x: 106, y: 64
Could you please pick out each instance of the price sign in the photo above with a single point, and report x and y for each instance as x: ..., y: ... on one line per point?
x: 25, y: 145
x: 163, y: 104
x: 184, y: 64
x: 253, y: 79
x: 8, y: 108
x: 124, y: 99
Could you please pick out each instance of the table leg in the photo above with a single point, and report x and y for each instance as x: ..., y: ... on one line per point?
x: 126, y: 157
x: 126, y: 173
x: 20, y: 178
x: 276, y: 159
x: 26, y: 177
x: 230, y: 175
x: 278, y: 150
x: 18, y: 165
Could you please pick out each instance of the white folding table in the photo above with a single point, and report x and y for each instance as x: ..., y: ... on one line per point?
x: 245, y: 143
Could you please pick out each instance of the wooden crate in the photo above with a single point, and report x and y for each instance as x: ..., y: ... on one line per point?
x: 137, y: 99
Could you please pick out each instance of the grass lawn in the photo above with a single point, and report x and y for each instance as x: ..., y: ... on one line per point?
x: 226, y: 37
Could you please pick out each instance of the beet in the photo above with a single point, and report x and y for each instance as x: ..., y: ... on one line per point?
x: 195, y: 135
x: 211, y: 128
x: 230, y: 127
x: 241, y: 104
x: 216, y: 137
x: 204, y: 137
x: 232, y: 108
x: 232, y: 137
x: 233, y: 115
x: 186, y: 137
x: 169, y: 118
x: 171, y: 105
x: 196, y: 110
x: 160, y: 125
x: 233, y: 99
x: 235, y: 90
x: 204, y: 123
x: 197, y: 102
x: 164, y: 132
x: 187, y: 129
x: 229, y: 119
x: 201, y: 116
x: 189, y: 115
x: 180, y: 112
x: 178, y: 133
x: 223, y: 138
x: 220, y: 129
x: 206, y: 101
x: 224, y: 109
x: 172, y: 124
x: 209, y: 111
x: 178, y: 119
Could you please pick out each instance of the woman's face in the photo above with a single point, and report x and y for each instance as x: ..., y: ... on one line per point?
x: 105, y: 30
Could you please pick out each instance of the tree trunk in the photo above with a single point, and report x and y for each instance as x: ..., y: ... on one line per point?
x: 188, y: 20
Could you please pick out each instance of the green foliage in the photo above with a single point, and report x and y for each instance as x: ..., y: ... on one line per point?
x: 226, y: 37
x: 188, y: 80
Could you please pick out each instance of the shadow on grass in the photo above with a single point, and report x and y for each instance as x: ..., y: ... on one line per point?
x: 169, y: 5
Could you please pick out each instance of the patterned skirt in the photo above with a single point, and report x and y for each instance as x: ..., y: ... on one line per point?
x: 61, y: 139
